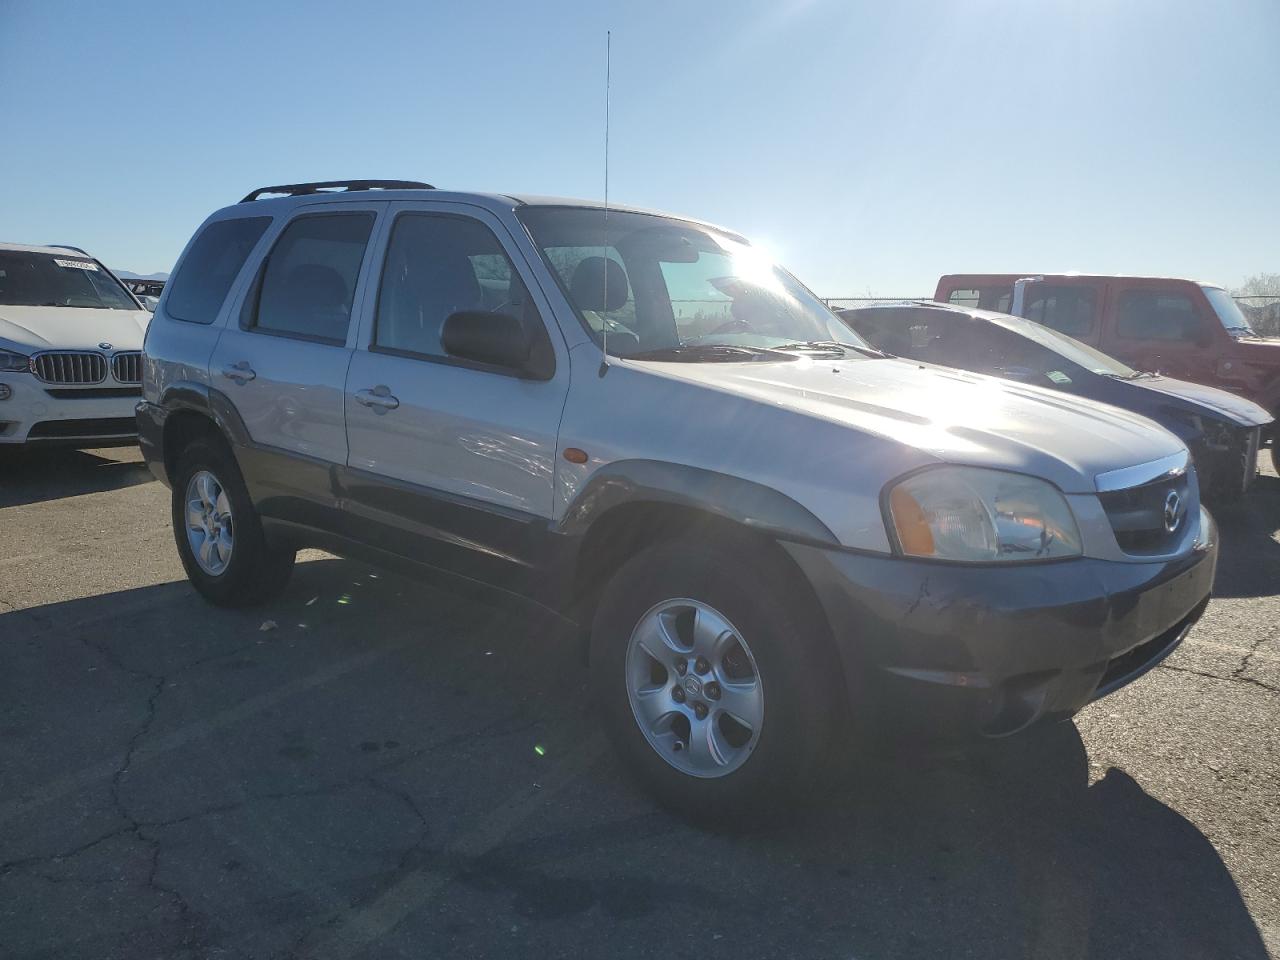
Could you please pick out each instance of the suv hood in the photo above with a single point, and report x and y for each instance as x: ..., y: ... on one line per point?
x: 953, y: 416
x: 72, y: 328
x: 1243, y: 412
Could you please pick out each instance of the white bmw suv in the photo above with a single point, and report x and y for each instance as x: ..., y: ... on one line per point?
x: 769, y: 530
x: 70, y: 349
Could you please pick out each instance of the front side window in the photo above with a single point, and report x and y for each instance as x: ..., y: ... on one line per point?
x: 309, y: 279
x: 439, y: 265
x: 30, y: 279
x: 654, y: 287
x: 1067, y: 309
x: 210, y: 267
x: 1156, y: 315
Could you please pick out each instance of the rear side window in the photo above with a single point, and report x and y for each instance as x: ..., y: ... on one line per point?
x: 1156, y: 315
x: 440, y: 265
x: 995, y: 298
x: 210, y: 267
x: 1067, y: 309
x: 309, y: 279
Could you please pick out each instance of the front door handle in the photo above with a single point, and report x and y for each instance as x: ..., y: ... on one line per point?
x: 379, y: 398
x: 240, y: 372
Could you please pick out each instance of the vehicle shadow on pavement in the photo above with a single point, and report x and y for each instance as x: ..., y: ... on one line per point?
x: 1249, y: 553
x: 1006, y: 849
x: 372, y: 767
x: 34, y: 476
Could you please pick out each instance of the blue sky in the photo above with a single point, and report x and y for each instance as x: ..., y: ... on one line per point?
x: 871, y: 145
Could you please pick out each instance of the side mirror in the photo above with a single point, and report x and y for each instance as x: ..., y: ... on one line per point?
x: 482, y: 336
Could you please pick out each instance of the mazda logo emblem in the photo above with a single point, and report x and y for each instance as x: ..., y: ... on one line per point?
x: 1172, y: 511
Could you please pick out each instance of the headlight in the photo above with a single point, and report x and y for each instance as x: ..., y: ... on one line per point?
x: 11, y: 362
x: 973, y: 514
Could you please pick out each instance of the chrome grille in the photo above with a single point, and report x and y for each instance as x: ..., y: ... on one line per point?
x: 127, y: 367
x: 68, y: 367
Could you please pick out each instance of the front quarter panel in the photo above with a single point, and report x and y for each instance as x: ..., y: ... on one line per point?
x: 825, y: 479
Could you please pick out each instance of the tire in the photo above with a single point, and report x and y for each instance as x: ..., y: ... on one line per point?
x: 246, y: 572
x: 787, y: 651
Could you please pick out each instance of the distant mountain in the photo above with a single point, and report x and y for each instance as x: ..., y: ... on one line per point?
x: 129, y: 275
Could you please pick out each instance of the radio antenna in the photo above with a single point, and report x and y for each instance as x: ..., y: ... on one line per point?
x: 604, y: 260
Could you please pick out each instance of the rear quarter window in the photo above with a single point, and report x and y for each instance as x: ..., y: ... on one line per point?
x: 210, y: 267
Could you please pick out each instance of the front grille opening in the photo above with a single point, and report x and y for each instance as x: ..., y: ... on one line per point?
x: 127, y: 367
x: 92, y: 393
x: 86, y: 429
x: 1137, y: 515
x: 69, y: 367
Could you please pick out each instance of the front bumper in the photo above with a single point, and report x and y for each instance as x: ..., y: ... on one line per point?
x: 943, y: 649
x: 33, y: 414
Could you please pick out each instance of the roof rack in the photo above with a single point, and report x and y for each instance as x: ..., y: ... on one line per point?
x: 344, y: 186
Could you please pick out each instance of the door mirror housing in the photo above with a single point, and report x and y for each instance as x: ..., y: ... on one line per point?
x: 483, y: 336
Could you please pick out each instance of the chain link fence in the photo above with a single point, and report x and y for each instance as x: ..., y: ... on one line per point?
x: 1263, y: 312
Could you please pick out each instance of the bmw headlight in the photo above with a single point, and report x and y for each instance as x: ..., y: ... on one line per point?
x: 11, y: 362
x: 972, y: 514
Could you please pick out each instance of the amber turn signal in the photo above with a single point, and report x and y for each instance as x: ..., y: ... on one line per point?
x: 912, y: 527
x: 574, y: 455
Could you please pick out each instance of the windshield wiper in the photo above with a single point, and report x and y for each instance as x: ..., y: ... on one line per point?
x: 690, y: 351
x: 830, y: 345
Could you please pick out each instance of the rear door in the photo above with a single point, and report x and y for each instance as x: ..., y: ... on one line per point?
x: 1162, y: 327
x: 452, y: 462
x: 282, y: 362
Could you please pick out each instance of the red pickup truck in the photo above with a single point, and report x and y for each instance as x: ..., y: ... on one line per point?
x: 1181, y: 328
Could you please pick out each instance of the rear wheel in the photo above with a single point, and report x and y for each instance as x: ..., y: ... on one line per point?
x: 719, y: 693
x: 218, y: 533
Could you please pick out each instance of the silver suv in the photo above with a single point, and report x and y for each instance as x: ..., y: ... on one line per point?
x: 773, y: 532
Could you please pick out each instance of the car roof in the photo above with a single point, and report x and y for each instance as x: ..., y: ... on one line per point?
x: 988, y: 316
x: 1041, y: 275
x: 492, y: 201
x: 42, y: 248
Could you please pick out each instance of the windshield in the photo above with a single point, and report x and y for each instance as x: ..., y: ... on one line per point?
x: 1229, y: 312
x: 1079, y: 353
x: 58, y: 280
x: 657, y: 287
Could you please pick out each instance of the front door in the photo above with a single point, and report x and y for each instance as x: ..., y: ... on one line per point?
x: 283, y: 362
x: 451, y: 462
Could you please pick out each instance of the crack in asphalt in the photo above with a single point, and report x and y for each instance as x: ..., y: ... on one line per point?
x: 1234, y: 678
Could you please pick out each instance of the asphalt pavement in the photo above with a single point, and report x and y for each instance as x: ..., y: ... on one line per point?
x: 371, y: 767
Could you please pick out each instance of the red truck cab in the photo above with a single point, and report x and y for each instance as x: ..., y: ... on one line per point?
x: 1181, y: 328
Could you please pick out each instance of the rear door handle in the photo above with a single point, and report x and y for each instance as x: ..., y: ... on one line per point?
x: 240, y: 372
x: 379, y: 398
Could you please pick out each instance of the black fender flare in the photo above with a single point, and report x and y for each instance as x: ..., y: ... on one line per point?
x: 214, y: 404
x: 754, y: 505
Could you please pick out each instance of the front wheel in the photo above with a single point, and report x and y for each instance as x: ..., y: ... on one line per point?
x: 719, y: 692
x: 218, y: 533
